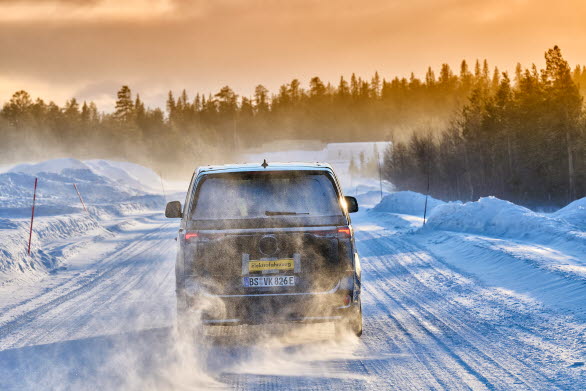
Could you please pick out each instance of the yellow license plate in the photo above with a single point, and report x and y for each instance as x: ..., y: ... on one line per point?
x: 278, y: 264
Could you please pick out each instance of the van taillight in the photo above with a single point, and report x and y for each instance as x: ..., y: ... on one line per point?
x: 190, y: 235
x: 344, y: 232
x: 347, y: 300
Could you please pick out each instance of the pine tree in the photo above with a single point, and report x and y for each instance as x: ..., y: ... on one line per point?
x: 171, y: 106
x: 94, y: 116
x: 124, y: 106
x: 316, y: 87
x: 246, y: 108
x: 85, y: 113
x: 465, y: 77
x: 564, y: 98
x: 140, y: 111
x: 197, y: 103
x: 17, y: 108
x: 429, y: 77
x: 375, y: 86
x: 72, y: 118
x: 343, y: 89
x: 496, y: 79
x: 354, y: 86
x: 227, y: 102
x: 477, y: 72
x: 518, y: 73
x: 485, y: 72
x: 446, y: 78
x: 261, y: 99
x: 295, y: 91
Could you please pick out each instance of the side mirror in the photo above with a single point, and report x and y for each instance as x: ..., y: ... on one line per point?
x: 173, y: 210
x: 352, y: 204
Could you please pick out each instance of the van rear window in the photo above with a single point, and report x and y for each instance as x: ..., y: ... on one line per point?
x: 266, y: 195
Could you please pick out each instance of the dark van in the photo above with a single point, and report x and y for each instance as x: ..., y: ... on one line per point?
x: 267, y: 243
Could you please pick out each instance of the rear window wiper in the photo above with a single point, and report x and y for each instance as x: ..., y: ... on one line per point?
x: 272, y: 213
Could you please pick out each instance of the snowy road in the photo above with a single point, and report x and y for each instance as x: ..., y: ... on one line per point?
x: 430, y: 323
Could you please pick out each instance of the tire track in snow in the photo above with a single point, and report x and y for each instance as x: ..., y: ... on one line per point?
x: 18, y: 331
x: 478, y: 356
x: 416, y: 336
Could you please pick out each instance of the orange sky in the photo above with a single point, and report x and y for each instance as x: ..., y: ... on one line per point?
x: 88, y: 48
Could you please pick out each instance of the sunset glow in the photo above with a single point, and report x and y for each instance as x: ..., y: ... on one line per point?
x: 88, y: 48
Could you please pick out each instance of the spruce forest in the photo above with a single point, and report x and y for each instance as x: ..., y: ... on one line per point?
x: 463, y: 134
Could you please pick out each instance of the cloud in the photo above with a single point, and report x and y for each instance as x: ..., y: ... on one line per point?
x: 81, y: 47
x: 63, y: 11
x: 68, y: 2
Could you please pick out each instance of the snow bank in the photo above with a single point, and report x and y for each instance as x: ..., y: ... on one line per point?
x: 47, y: 245
x: 494, y: 217
x: 491, y: 216
x: 53, y: 165
x: 369, y: 199
x: 61, y: 225
x: 574, y: 213
x: 98, y: 181
x: 127, y: 173
x: 407, y: 202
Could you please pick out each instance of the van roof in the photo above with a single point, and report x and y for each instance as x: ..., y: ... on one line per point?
x: 270, y: 166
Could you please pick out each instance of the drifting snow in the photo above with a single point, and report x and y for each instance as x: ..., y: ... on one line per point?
x: 407, y: 202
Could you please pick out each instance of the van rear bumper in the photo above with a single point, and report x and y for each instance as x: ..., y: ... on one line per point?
x: 282, y: 308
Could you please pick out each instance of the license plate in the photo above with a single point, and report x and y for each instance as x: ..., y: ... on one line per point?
x: 277, y: 264
x: 264, y: 281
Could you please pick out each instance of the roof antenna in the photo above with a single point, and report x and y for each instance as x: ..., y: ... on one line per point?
x: 264, y: 163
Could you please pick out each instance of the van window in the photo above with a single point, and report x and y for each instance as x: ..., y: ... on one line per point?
x: 266, y: 195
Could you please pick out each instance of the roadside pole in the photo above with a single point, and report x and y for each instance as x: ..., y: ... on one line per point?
x: 380, y: 175
x: 30, y: 234
x: 81, y: 199
x: 163, y: 186
x: 426, y: 195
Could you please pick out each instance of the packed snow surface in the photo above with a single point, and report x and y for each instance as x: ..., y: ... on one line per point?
x: 488, y: 296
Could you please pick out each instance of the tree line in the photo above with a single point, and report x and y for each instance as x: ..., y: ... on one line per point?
x: 196, y: 129
x: 522, y: 140
x: 473, y: 131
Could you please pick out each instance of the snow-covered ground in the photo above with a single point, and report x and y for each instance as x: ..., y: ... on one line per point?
x: 488, y: 295
x: 112, y: 192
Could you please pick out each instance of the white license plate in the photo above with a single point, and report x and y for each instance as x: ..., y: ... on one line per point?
x: 264, y: 281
